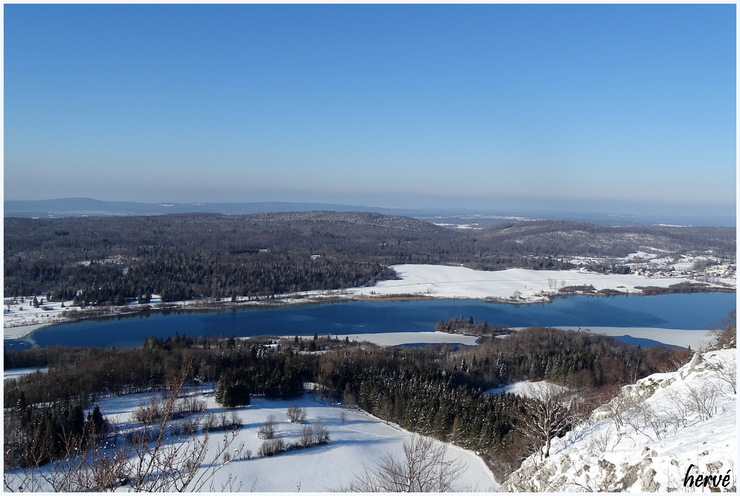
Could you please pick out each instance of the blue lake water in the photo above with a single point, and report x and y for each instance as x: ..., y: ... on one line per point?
x: 674, y: 311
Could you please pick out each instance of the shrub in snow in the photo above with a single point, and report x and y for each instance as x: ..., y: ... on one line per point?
x: 272, y: 447
x: 297, y: 414
x: 307, y: 437
x: 267, y: 430
x: 320, y: 432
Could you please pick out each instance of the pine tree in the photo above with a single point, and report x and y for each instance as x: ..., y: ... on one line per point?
x: 96, y: 421
x: 232, y: 391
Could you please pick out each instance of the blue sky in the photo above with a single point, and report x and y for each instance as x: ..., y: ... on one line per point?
x: 600, y: 107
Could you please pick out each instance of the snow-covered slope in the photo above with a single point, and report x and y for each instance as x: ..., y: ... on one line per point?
x: 668, y: 432
x: 357, y: 440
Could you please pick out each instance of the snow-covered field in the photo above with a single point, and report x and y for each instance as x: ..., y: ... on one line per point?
x: 519, y: 285
x: 357, y: 440
x: 651, y: 438
x: 399, y: 338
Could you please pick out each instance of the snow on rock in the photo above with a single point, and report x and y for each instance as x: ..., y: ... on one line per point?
x: 667, y: 432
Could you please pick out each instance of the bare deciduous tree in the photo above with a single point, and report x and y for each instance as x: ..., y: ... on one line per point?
x: 726, y: 372
x: 307, y: 437
x: 618, y: 407
x: 267, y: 430
x: 549, y: 412
x: 423, y: 468
x: 702, y: 400
x: 726, y: 337
x: 320, y: 433
x: 297, y: 414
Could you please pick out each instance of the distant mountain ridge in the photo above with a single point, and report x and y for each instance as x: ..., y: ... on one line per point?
x: 483, y: 217
x: 79, y: 207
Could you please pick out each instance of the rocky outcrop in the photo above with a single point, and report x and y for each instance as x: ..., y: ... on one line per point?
x: 668, y: 432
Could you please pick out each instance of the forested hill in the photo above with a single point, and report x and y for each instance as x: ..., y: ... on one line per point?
x: 109, y: 260
x: 563, y: 238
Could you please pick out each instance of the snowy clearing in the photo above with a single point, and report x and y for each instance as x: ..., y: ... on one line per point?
x: 528, y: 389
x: 516, y: 285
x: 356, y: 440
x: 401, y: 338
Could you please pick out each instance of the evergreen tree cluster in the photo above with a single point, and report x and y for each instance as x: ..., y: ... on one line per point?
x: 469, y: 327
x: 570, y: 358
x: 232, y: 390
x: 36, y: 435
x: 48, y: 405
x: 410, y: 390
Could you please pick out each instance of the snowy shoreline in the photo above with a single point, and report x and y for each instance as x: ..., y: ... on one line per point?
x: 513, y: 286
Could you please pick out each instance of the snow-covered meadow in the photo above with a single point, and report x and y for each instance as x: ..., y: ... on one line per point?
x: 410, y: 338
x: 357, y: 440
x: 516, y: 285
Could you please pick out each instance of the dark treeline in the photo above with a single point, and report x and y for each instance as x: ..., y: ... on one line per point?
x: 104, y: 261
x: 470, y: 327
x: 86, y: 374
x: 435, y: 390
